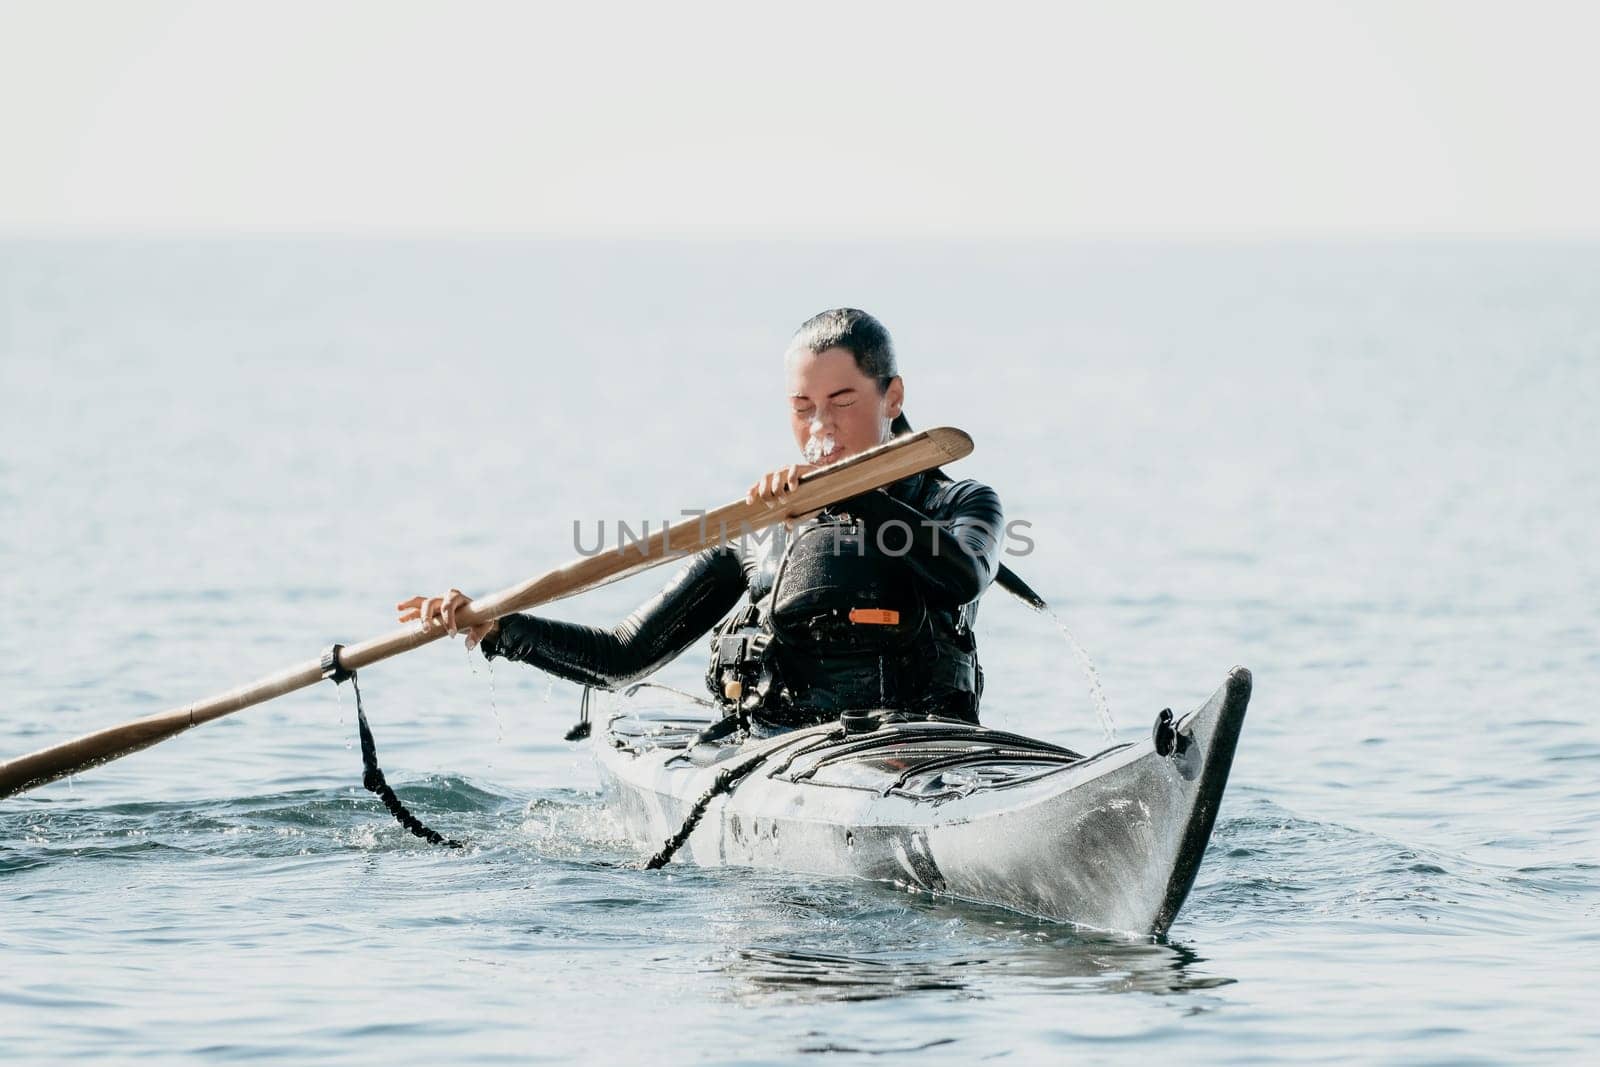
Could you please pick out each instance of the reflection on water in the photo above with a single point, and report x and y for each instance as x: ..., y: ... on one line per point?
x: 821, y: 941
x: 1059, y: 964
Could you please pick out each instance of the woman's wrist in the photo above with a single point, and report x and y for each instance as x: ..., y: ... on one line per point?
x: 489, y: 643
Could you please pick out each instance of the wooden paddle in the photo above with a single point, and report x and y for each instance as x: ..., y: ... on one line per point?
x: 899, y: 458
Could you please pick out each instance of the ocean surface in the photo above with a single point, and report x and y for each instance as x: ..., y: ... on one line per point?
x: 1366, y: 471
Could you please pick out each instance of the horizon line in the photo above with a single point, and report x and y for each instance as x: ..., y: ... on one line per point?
x: 737, y: 236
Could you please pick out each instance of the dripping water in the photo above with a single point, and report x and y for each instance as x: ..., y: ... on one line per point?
x: 494, y: 705
x: 338, y: 691
x: 1097, y: 693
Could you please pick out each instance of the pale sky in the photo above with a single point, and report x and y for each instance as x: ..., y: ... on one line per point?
x: 802, y: 119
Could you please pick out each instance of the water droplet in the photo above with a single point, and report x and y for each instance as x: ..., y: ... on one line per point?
x: 818, y: 447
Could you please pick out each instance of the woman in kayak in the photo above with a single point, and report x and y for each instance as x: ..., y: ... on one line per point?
x: 869, y: 606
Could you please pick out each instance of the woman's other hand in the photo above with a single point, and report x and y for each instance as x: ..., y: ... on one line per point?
x: 441, y: 611
x: 773, y: 486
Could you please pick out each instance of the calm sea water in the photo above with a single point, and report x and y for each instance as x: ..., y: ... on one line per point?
x: 1366, y: 472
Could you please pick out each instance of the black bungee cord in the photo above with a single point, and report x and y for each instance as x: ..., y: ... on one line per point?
x: 372, y: 775
x: 724, y: 783
x: 721, y: 784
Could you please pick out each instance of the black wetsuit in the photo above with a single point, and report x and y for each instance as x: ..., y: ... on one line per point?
x: 942, y: 536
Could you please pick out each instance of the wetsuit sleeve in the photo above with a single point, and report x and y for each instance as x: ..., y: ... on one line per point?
x: 698, y: 596
x: 954, y: 549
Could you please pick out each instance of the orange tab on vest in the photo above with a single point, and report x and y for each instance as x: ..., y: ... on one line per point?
x: 875, y: 616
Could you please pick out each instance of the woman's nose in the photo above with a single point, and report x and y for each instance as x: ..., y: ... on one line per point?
x: 819, y: 423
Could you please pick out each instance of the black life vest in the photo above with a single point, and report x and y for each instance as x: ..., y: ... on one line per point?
x: 836, y: 595
x: 843, y: 625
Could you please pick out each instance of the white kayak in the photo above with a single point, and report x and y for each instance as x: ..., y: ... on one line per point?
x: 1110, y: 841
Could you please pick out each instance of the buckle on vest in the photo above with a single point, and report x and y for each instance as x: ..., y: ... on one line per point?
x: 740, y: 650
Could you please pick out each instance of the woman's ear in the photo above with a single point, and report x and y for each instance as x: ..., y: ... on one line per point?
x: 894, y: 397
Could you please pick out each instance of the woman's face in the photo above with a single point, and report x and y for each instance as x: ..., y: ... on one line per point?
x: 835, y: 409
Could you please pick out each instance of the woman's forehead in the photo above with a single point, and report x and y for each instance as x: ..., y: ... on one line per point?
x: 823, y: 373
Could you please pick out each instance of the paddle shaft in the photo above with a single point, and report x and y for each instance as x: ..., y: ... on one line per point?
x: 899, y: 458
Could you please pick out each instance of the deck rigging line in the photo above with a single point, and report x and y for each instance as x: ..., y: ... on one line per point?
x: 722, y: 784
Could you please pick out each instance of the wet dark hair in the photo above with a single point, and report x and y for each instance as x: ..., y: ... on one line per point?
x: 863, y: 336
